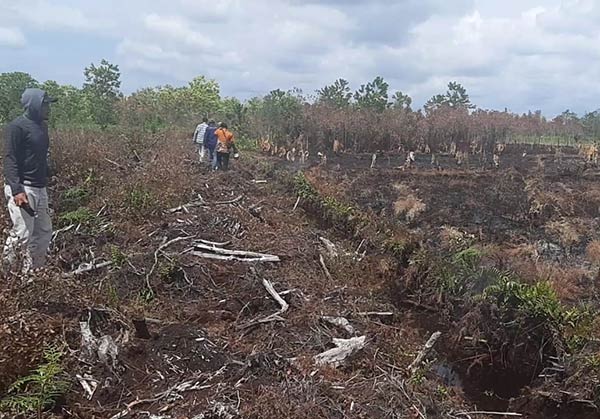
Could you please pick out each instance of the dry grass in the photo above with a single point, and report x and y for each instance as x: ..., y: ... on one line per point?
x: 569, y: 232
x: 408, y: 204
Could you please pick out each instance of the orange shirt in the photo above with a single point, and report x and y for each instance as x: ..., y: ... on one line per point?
x: 224, y: 140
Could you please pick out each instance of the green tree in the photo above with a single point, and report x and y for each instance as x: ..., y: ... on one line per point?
x: 456, y: 98
x: 204, y: 97
x: 402, y: 101
x: 591, y: 124
x: 338, y: 94
x: 234, y: 112
x: 277, y: 115
x: 373, y: 95
x: 70, y: 108
x: 101, y: 88
x: 12, y: 86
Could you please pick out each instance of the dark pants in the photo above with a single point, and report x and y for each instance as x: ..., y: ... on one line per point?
x: 223, y: 161
x: 212, y: 157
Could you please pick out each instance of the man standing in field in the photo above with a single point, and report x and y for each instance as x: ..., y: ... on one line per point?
x: 210, y: 143
x: 26, y: 146
x: 199, y: 136
x: 225, y: 145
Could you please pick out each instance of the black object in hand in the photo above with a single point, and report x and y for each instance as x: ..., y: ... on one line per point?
x: 28, y: 209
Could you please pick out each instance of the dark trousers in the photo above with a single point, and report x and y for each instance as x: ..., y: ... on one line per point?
x: 223, y: 161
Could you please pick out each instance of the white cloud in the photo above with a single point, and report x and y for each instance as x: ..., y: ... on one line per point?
x: 12, y: 38
x: 516, y: 53
x: 177, y: 30
x: 44, y: 15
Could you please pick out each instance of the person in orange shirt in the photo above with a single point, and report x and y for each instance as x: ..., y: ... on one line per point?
x: 225, y: 146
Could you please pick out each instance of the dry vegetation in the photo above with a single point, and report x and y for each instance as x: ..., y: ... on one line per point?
x: 504, y: 263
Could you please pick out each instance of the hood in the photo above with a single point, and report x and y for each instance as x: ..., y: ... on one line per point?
x: 32, y: 103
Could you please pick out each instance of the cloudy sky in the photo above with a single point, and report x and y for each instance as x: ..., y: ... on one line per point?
x: 520, y: 54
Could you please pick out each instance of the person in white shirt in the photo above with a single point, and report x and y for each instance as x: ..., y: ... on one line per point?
x: 199, y: 137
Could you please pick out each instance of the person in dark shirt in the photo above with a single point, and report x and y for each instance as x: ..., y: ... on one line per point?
x: 26, y: 145
x: 210, y: 143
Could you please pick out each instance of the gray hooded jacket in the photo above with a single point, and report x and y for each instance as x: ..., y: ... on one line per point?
x: 26, y: 145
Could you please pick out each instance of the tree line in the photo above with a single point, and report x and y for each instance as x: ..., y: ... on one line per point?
x: 367, y: 119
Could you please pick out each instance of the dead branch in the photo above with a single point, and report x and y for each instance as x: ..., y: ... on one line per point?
x: 511, y: 414
x: 62, y: 230
x: 233, y: 201
x: 160, y: 249
x: 327, y: 273
x: 344, y: 348
x: 296, y: 204
x: 275, y: 317
x: 192, y: 385
x: 193, y: 204
x: 87, y: 267
x: 89, y: 385
x: 424, y: 352
x: 271, y: 290
x: 222, y: 244
x: 218, y: 253
x: 376, y: 313
x: 266, y: 258
x: 114, y: 163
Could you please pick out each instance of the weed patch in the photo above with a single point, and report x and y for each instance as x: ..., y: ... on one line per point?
x: 40, y: 390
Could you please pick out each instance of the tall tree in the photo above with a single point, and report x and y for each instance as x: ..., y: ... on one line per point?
x: 373, y: 95
x: 338, y: 94
x: 70, y: 109
x: 101, y: 87
x: 204, y: 96
x: 456, y: 97
x: 402, y: 101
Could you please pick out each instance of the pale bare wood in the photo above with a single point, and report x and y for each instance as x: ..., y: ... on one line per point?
x: 344, y: 348
x: 424, y: 352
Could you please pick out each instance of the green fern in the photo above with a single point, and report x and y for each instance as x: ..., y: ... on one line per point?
x: 39, y: 390
x: 468, y: 258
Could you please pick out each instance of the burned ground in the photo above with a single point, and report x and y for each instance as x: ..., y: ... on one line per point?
x: 397, y: 235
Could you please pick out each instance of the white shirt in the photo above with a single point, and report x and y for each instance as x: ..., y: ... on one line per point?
x: 199, y: 134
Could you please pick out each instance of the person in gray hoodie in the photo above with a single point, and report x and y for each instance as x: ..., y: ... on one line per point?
x: 26, y: 145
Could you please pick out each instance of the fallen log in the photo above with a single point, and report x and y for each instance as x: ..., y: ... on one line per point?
x: 219, y: 253
x: 235, y: 258
x: 344, y: 348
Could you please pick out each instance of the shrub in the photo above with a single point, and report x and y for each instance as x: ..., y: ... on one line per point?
x: 39, y: 390
x: 74, y: 198
x: 79, y: 216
